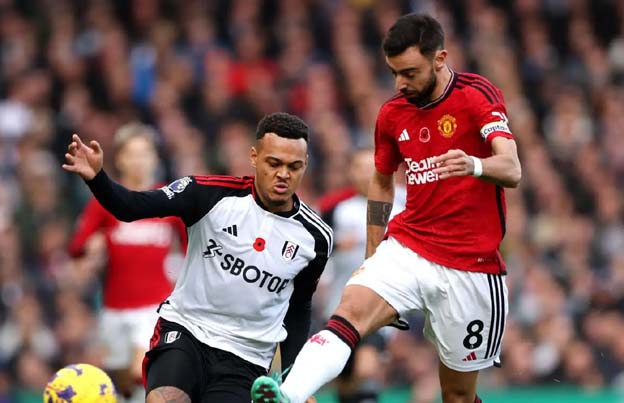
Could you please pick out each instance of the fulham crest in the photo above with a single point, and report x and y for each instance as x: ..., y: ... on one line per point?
x: 289, y: 250
x: 172, y: 336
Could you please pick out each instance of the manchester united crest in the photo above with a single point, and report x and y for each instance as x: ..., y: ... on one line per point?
x: 447, y: 126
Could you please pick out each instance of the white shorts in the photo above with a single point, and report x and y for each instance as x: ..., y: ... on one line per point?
x: 122, y: 331
x: 464, y: 311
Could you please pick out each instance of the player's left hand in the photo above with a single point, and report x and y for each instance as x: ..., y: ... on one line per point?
x: 453, y: 163
x: 311, y: 399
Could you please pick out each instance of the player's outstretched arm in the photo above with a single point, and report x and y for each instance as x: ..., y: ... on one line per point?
x: 84, y: 160
x: 123, y: 203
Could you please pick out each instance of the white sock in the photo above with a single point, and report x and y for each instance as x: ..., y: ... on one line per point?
x: 320, y: 360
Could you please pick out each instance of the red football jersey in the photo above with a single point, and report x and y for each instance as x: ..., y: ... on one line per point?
x: 135, y: 275
x: 455, y: 222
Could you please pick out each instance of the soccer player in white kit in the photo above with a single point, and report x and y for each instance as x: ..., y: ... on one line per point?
x: 255, y: 254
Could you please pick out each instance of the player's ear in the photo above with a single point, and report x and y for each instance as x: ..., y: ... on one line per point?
x: 253, y: 156
x: 439, y: 60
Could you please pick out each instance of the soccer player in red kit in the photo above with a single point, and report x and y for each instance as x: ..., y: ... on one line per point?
x: 135, y: 281
x: 440, y: 256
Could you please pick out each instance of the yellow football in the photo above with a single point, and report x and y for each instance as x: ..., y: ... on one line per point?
x: 80, y: 383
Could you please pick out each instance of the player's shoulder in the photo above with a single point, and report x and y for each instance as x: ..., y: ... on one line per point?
x: 316, y: 226
x: 231, y: 184
x: 478, y: 88
x: 395, y: 101
x: 212, y: 185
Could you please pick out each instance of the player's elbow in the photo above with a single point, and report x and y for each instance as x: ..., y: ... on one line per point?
x: 515, y: 175
x: 124, y: 216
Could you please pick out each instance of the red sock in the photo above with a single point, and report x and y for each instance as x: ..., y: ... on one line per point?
x: 478, y: 399
x: 344, y: 330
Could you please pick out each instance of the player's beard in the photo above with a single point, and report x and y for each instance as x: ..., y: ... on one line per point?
x: 422, y: 98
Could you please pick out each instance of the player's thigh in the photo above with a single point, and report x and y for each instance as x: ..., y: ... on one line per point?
x: 385, y: 286
x: 466, y: 318
x: 170, y: 376
x: 457, y: 387
x: 112, y: 329
x: 174, y: 361
x: 229, y: 377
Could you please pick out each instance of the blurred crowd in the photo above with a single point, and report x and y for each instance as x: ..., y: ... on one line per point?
x: 202, y: 73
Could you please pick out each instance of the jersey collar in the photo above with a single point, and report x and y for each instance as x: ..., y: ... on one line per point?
x: 285, y: 214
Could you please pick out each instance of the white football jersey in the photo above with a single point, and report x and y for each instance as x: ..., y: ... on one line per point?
x: 244, y: 265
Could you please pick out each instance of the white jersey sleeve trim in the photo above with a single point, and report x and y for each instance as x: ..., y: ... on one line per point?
x: 310, y: 216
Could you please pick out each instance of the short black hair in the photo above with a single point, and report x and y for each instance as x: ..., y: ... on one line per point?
x: 414, y: 29
x: 284, y: 125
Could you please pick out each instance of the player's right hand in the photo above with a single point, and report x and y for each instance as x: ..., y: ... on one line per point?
x: 84, y: 160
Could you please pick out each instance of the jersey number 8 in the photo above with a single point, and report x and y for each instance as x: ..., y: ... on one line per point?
x: 473, y: 339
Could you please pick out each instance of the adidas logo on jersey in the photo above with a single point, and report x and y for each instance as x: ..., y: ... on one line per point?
x: 231, y: 230
x: 470, y: 357
x: 404, y: 136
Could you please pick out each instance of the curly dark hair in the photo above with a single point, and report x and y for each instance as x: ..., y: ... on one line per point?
x: 284, y: 125
x: 414, y: 29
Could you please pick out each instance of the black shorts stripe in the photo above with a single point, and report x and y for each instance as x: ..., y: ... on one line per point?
x: 502, y: 315
x: 497, y: 330
x: 497, y: 317
x: 493, y: 310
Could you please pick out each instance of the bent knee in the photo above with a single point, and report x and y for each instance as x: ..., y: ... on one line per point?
x: 167, y: 394
x: 365, y: 309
